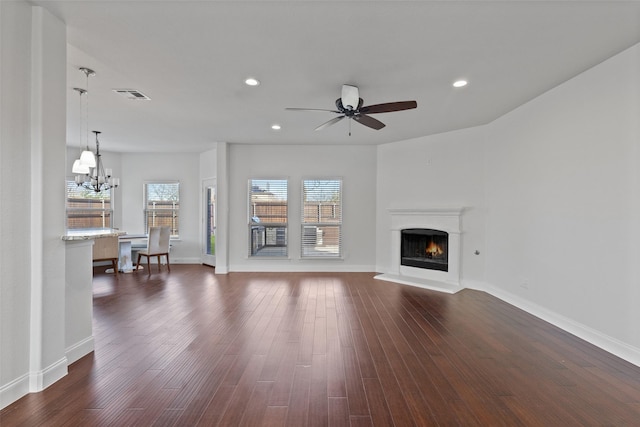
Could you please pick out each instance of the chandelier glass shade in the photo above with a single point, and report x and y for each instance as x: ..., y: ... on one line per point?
x: 88, y: 159
x: 79, y: 168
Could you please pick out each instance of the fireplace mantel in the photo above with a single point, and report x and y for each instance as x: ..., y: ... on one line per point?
x: 446, y: 219
x: 429, y: 211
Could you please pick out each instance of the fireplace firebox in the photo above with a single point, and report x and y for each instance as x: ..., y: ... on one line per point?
x: 425, y: 248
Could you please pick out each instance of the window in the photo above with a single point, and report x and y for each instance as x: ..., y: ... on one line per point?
x: 161, y: 205
x: 321, y: 234
x: 86, y: 208
x: 268, y: 217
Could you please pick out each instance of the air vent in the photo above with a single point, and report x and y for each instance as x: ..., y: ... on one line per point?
x: 132, y: 94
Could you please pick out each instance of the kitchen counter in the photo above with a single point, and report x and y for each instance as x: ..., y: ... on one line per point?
x: 92, y: 233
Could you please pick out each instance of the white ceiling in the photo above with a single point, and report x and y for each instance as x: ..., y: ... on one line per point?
x: 191, y: 58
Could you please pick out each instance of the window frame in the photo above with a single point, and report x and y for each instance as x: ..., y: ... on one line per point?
x: 175, y: 211
x: 106, y: 212
x: 337, y: 208
x: 261, y: 232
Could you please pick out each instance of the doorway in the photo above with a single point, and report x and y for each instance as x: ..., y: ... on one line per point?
x: 209, y: 222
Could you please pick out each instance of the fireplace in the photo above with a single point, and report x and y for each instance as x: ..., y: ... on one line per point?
x: 413, y: 259
x: 424, y: 248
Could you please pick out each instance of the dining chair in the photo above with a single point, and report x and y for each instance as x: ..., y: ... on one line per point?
x: 106, y: 249
x: 157, y: 245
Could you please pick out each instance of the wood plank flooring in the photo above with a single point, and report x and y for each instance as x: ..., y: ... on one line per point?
x: 190, y: 348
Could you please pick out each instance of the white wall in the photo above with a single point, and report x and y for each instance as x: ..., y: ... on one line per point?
x: 138, y: 168
x: 32, y: 158
x: 208, y: 161
x: 444, y: 170
x: 563, y: 201
x: 355, y: 164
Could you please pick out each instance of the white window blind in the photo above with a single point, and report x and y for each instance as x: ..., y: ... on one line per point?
x: 268, y: 217
x: 162, y: 205
x: 88, y: 209
x: 321, y: 234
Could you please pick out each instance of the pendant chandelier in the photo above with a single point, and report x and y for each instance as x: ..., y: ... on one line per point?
x: 90, y: 172
x: 99, y: 178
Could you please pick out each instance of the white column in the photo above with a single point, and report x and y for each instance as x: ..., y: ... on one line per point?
x: 47, y: 172
x: 222, y: 209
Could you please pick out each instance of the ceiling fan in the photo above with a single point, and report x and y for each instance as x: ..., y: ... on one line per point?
x: 350, y: 105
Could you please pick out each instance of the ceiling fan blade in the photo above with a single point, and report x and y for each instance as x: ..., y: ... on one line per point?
x: 388, y: 107
x: 350, y: 96
x: 369, y: 121
x: 312, y: 109
x: 330, y: 122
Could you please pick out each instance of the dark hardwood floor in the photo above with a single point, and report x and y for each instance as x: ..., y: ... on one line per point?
x: 246, y: 349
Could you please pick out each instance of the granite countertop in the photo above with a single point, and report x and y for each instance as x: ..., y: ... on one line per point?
x: 92, y: 233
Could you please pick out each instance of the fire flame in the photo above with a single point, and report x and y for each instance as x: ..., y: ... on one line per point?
x: 434, y: 250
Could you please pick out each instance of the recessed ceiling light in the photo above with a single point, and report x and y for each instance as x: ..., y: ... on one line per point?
x: 252, y: 82
x: 459, y: 83
x: 275, y: 127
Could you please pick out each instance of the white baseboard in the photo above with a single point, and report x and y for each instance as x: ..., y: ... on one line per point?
x: 32, y: 382
x: 79, y: 349
x: 14, y: 390
x: 473, y: 284
x: 300, y: 268
x: 40, y: 380
x: 192, y: 260
x: 433, y: 285
x: 612, y: 345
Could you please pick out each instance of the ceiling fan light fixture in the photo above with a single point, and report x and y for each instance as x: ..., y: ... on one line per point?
x: 460, y: 83
x: 349, y: 105
x: 350, y: 97
x: 251, y: 81
x: 276, y: 127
